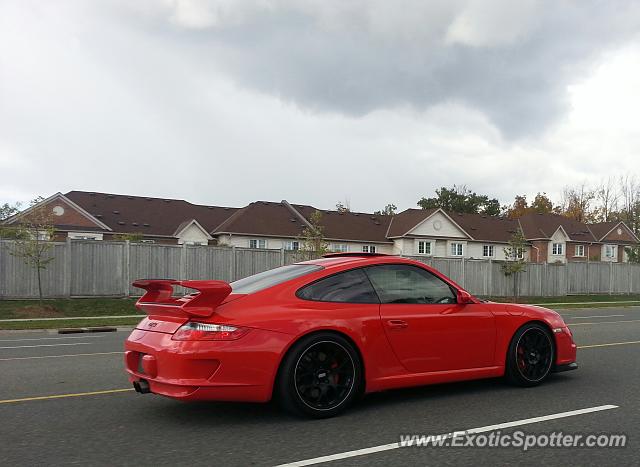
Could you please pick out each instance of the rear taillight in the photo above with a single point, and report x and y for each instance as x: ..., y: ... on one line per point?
x: 209, y: 332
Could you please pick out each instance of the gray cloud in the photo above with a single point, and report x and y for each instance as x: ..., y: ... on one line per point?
x: 227, y: 102
x: 510, y: 60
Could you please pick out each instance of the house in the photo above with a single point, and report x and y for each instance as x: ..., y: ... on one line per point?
x: 272, y: 225
x: 85, y: 215
x: 434, y: 232
x: 550, y: 238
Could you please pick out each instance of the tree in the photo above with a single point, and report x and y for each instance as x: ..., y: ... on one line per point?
x: 8, y: 210
x: 576, y: 203
x: 461, y: 199
x: 630, y: 202
x: 312, y: 243
x: 389, y: 210
x: 343, y: 207
x: 32, y: 244
x: 132, y: 237
x: 519, y: 208
x: 515, y: 262
x: 607, y: 196
x: 633, y: 253
x: 542, y: 204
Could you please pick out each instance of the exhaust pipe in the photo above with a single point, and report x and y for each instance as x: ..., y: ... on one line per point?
x: 142, y: 386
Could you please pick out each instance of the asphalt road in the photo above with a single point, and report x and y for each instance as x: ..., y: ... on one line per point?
x: 125, y: 428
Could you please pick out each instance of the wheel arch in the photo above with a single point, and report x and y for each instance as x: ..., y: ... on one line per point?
x: 542, y: 323
x: 322, y: 331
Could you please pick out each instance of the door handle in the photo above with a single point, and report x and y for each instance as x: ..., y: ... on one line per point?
x: 397, y: 324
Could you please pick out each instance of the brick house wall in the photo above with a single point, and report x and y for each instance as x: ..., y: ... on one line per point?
x: 539, y: 251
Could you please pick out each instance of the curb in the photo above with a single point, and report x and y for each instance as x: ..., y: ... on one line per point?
x: 84, y: 330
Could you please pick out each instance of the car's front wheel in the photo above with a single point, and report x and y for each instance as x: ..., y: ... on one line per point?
x: 530, y: 356
x: 320, y: 376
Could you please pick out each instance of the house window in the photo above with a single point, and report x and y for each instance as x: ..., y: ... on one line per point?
x: 194, y: 243
x: 456, y: 249
x: 257, y: 243
x: 84, y: 236
x: 339, y: 247
x: 147, y: 241
x: 579, y: 250
x: 487, y: 251
x: 609, y: 251
x: 557, y: 249
x: 424, y: 248
x: 520, y: 253
x: 292, y: 245
x: 368, y: 248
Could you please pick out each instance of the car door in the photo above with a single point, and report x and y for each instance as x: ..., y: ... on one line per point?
x: 428, y: 330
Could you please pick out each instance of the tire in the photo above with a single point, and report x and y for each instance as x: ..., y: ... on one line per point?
x: 530, y: 356
x: 320, y: 376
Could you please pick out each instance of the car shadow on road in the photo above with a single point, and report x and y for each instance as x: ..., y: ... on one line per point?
x: 397, y: 401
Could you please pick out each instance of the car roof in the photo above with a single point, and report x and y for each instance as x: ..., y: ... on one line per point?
x: 356, y: 259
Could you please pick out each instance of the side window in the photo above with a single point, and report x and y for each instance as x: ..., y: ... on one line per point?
x: 345, y: 287
x: 398, y: 283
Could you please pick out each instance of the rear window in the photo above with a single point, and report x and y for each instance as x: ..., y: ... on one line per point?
x: 266, y: 279
x: 345, y: 287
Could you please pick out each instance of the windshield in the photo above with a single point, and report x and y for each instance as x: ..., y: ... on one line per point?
x: 272, y: 277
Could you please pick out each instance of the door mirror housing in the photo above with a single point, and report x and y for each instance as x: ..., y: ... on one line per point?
x: 464, y: 297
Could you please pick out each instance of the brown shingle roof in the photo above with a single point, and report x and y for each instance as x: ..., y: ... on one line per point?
x: 150, y: 216
x: 486, y: 228
x: 600, y: 229
x: 545, y: 225
x: 479, y: 227
x: 404, y: 221
x: 356, y: 226
x: 263, y: 218
x: 277, y: 219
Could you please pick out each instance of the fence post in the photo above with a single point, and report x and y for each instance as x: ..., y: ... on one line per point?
x: 490, y: 286
x: 67, y: 268
x: 462, y: 276
x: 126, y: 273
x: 545, y: 278
x: 610, y: 277
x: 282, y: 256
x: 183, y: 262
x: 232, y: 265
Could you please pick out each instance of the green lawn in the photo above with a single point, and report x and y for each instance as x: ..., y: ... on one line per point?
x: 61, y: 308
x: 75, y: 307
x: 576, y: 301
x: 73, y: 323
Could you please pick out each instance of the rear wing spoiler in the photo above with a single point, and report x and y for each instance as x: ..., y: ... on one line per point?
x: 158, y: 298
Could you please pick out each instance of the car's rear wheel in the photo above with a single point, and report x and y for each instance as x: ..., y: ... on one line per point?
x: 530, y: 356
x: 320, y: 376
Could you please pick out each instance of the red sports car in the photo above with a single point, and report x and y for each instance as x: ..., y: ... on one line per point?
x: 318, y: 334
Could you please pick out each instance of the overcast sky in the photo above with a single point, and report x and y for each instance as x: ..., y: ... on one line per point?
x: 374, y: 102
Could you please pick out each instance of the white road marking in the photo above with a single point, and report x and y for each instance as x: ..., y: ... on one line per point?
x: 45, y: 345
x: 482, y: 429
x: 61, y: 356
x: 604, y: 322
x: 607, y: 345
x: 598, y: 316
x: 50, y: 338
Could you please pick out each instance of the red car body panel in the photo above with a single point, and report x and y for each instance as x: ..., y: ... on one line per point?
x: 400, y: 344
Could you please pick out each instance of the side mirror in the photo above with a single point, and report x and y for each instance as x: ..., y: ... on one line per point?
x: 465, y: 297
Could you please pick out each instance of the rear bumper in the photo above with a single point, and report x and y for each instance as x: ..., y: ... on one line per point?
x: 242, y: 370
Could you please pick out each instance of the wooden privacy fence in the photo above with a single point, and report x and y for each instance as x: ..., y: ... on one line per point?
x: 102, y: 269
